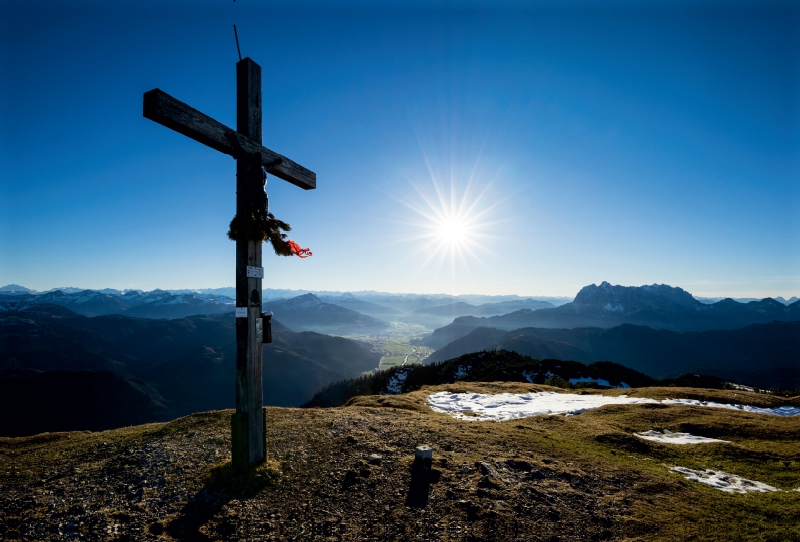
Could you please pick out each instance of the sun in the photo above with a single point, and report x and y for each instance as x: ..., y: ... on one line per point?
x: 453, y: 230
x: 451, y: 224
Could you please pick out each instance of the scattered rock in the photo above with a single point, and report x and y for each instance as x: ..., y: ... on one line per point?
x: 472, y: 509
x: 350, y: 479
x: 516, y: 464
x: 489, y: 471
x: 375, y: 459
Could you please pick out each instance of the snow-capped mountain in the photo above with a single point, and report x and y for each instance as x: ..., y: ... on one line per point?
x: 86, y: 302
x: 155, y: 304
x: 632, y: 299
x: 658, y: 306
x: 15, y: 289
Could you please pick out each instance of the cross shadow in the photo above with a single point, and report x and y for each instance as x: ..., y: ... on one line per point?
x: 419, y: 487
x: 225, y: 484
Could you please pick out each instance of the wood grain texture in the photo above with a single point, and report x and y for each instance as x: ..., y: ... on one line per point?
x: 249, y: 390
x: 248, y: 99
x: 162, y: 108
x: 248, y: 425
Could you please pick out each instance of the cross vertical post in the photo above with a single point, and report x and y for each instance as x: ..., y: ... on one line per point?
x: 247, y: 424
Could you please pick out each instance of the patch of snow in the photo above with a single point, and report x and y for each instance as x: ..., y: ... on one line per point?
x: 778, y: 411
x: 612, y: 308
x: 740, y: 387
x: 65, y: 289
x: 668, y: 437
x: 461, y: 372
x: 729, y: 483
x: 395, y: 384
x: 598, y: 381
x: 529, y: 375
x: 508, y: 406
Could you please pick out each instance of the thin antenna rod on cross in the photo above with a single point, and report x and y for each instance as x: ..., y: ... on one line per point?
x: 236, y: 34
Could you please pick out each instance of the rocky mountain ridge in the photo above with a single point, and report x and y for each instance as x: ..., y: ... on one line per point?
x: 605, y: 306
x: 154, y: 304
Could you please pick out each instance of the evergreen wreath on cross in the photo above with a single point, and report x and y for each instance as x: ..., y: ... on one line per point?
x: 259, y: 225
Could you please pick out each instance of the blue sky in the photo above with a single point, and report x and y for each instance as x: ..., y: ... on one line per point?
x: 637, y: 146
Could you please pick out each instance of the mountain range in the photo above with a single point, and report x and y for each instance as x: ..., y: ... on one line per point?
x: 766, y: 355
x: 155, y: 304
x: 501, y: 366
x: 349, y: 301
x: 310, y: 313
x: 430, y: 311
x: 656, y: 306
x: 95, y: 359
x: 780, y: 299
x: 442, y: 314
x: 75, y: 372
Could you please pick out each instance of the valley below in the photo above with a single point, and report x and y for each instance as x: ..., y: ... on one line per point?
x: 398, y: 344
x: 86, y: 359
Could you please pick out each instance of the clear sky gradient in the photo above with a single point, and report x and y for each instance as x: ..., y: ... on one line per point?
x: 576, y: 145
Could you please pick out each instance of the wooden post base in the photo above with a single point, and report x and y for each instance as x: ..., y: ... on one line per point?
x: 240, y: 440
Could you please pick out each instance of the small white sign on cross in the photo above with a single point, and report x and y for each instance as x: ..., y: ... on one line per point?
x: 255, y: 272
x: 241, y: 312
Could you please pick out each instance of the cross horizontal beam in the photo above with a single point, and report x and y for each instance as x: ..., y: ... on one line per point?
x: 176, y: 115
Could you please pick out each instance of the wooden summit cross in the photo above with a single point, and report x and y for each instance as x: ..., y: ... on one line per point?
x: 244, y: 144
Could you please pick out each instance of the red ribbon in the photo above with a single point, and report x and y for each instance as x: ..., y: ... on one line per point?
x: 297, y: 251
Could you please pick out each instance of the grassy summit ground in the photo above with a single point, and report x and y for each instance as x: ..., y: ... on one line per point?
x: 581, y: 477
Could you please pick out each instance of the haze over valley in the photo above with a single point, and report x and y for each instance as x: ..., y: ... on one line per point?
x: 172, y: 353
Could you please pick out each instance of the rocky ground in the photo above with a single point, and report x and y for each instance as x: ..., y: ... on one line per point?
x: 348, y: 474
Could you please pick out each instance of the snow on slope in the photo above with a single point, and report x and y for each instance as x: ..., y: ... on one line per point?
x: 509, y: 406
x: 668, y: 437
x: 729, y: 483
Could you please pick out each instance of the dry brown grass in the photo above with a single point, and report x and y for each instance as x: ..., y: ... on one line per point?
x: 576, y: 478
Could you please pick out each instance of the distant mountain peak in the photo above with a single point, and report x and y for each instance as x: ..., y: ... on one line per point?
x: 306, y: 300
x: 16, y: 289
x: 626, y: 299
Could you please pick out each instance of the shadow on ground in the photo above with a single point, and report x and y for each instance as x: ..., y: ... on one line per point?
x: 224, y: 485
x: 419, y: 487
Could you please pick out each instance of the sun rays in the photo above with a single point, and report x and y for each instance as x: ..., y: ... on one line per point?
x: 451, y: 223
